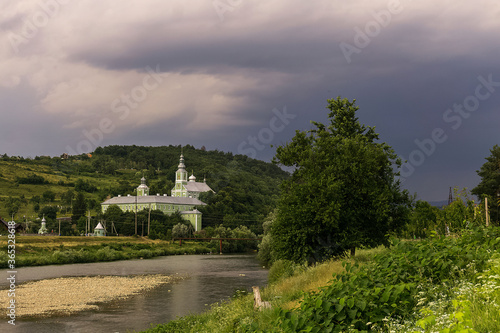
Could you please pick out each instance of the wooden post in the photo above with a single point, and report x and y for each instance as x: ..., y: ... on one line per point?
x: 258, y: 304
x: 180, y: 242
x: 486, y: 210
x: 59, y: 227
x: 220, y: 245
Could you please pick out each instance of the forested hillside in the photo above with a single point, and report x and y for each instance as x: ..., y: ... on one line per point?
x: 246, y: 189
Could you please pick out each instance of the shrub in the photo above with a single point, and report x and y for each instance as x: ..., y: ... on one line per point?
x: 31, y: 179
x: 144, y: 253
x: 62, y: 257
x: 281, y: 269
x: 4, y: 258
x: 265, y: 250
x: 106, y: 254
x: 386, y: 288
x: 180, y: 231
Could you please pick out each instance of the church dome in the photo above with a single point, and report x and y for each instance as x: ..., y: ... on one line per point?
x: 143, y: 189
x: 192, y: 178
x: 143, y: 183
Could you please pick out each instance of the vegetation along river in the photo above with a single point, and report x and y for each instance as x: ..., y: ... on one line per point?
x: 211, y: 278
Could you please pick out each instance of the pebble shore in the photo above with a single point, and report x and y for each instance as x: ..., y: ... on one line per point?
x: 64, y: 296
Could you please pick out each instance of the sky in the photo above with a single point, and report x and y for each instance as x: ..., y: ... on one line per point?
x: 244, y: 75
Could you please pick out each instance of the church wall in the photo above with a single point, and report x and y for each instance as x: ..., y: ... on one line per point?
x: 178, y: 191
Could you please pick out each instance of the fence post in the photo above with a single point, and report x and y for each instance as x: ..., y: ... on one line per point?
x: 486, y: 210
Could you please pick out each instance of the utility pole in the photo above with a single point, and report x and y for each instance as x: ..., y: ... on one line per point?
x: 149, y: 218
x: 88, y: 223
x: 136, y: 215
x: 142, y: 228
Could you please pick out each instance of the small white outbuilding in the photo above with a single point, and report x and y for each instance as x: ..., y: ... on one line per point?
x: 99, y: 230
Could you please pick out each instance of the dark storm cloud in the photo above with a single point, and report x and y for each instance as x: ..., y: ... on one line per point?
x: 279, y: 52
x: 227, y: 75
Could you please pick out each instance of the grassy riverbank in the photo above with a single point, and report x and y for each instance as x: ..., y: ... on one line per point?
x: 285, y: 293
x: 445, y: 285
x: 53, y: 250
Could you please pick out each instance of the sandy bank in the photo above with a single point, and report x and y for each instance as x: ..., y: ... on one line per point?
x: 69, y: 295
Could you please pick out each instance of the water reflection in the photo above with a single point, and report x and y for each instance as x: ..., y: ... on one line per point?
x: 212, y: 278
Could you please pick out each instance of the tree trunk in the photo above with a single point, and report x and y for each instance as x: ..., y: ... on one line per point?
x: 353, y: 251
x: 258, y: 303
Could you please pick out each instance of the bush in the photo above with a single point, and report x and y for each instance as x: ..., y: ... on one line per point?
x: 265, y: 250
x: 243, y: 245
x: 144, y: 253
x: 154, y: 235
x: 180, y: 231
x: 387, y: 287
x: 281, y: 269
x: 62, y: 257
x: 106, y: 254
x: 31, y: 179
x: 4, y: 258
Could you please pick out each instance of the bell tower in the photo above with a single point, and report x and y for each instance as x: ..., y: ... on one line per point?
x: 143, y: 189
x: 180, y: 179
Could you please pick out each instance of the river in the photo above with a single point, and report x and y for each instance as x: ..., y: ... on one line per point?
x: 212, y: 278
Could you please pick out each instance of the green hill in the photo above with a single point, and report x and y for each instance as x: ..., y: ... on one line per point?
x: 246, y: 189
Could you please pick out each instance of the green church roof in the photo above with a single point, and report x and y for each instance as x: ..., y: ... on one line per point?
x: 154, y: 199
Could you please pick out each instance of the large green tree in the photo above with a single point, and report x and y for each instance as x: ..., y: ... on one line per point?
x: 423, y: 220
x: 79, y: 208
x: 490, y: 182
x: 343, y: 192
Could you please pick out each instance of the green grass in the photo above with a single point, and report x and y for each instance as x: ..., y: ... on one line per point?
x: 11, y: 170
x: 50, y: 250
x: 445, y: 285
x: 286, y: 293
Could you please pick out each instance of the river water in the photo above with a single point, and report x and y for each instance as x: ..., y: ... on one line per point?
x: 212, y: 278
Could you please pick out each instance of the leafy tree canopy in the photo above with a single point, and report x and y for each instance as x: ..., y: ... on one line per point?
x: 490, y: 181
x: 343, y: 193
x: 79, y: 207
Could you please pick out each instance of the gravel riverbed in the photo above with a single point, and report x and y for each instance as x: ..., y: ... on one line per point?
x: 64, y: 296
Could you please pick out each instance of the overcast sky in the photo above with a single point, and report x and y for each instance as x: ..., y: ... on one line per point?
x: 241, y: 75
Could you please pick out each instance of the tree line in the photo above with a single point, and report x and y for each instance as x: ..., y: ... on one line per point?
x: 345, y: 193
x: 246, y: 190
